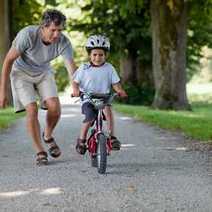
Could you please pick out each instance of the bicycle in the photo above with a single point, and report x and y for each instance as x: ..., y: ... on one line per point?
x: 99, y: 144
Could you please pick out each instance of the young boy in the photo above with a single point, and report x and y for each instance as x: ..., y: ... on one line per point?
x: 97, y: 76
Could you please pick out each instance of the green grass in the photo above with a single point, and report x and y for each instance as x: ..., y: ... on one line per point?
x: 196, y: 124
x: 7, y: 117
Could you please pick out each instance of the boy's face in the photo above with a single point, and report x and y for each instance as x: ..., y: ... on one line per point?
x: 97, y: 56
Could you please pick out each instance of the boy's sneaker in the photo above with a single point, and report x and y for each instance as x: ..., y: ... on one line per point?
x: 116, y: 144
x: 81, y: 146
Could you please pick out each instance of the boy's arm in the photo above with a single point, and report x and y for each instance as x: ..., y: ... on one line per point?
x: 118, y: 88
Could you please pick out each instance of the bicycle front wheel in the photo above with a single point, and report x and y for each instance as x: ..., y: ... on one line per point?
x: 101, y: 153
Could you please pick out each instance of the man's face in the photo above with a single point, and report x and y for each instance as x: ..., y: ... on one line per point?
x: 51, y: 33
x: 97, y: 56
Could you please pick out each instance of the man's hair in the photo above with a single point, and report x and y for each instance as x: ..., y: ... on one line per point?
x: 53, y: 16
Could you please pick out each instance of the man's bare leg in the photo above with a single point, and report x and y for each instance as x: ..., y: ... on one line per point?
x: 33, y: 126
x: 52, y: 117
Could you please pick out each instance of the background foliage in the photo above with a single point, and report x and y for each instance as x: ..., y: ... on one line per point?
x: 127, y: 24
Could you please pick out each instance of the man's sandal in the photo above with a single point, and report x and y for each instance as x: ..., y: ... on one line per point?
x: 54, y: 149
x: 81, y: 146
x: 42, y: 158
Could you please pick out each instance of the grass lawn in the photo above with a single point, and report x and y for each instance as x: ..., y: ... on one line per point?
x: 196, y: 124
x: 7, y: 117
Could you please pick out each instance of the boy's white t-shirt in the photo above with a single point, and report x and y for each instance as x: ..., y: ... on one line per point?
x: 96, y: 79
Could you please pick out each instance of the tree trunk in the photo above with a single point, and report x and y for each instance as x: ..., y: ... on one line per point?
x: 134, y: 71
x: 145, y: 75
x: 4, y: 29
x: 169, y: 26
x: 138, y: 77
x: 5, y: 36
x: 128, y: 69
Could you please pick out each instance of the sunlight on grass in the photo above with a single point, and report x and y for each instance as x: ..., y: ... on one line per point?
x: 200, y: 92
x: 199, y: 89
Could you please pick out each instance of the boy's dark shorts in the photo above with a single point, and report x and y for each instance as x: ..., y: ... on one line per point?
x: 89, y: 111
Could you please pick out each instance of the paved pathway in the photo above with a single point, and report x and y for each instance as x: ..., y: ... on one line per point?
x: 153, y: 172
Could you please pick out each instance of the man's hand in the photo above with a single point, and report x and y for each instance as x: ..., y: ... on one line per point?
x: 75, y: 89
x: 75, y: 93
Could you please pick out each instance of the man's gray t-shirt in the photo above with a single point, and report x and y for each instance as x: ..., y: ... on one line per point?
x: 94, y: 79
x: 35, y: 55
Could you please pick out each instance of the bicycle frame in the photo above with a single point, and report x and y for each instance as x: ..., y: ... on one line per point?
x: 95, y: 131
x: 98, y: 143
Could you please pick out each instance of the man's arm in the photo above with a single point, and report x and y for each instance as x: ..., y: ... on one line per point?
x: 71, y: 67
x: 6, y: 69
x: 75, y: 88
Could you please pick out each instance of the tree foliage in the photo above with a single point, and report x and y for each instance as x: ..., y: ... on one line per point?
x: 126, y: 23
x: 199, y: 32
x: 24, y: 13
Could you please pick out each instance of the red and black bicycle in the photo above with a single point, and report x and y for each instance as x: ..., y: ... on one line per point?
x: 99, y: 143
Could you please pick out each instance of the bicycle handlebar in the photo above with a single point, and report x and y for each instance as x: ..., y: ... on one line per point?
x: 99, y: 100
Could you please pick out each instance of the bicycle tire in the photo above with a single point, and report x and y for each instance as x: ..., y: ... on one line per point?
x: 94, y: 162
x: 101, y: 153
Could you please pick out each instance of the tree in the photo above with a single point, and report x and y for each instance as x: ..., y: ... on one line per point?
x: 5, y: 35
x: 4, y: 28
x: 169, y: 34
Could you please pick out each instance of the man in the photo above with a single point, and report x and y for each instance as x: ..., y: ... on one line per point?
x: 28, y: 65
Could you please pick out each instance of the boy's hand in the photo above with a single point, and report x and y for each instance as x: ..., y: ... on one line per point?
x: 122, y: 94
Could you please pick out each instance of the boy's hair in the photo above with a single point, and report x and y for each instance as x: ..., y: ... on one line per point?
x: 89, y: 50
x: 53, y: 16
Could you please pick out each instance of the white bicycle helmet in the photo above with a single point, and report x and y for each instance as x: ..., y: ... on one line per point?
x: 98, y: 41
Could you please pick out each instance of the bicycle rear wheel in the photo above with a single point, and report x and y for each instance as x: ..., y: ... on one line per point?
x: 101, y: 153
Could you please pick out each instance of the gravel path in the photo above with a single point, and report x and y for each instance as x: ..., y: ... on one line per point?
x: 154, y: 171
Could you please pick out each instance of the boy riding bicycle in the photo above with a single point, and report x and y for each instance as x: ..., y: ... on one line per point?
x: 96, y: 76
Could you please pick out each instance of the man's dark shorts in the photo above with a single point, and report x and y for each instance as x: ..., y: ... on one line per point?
x: 89, y: 111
